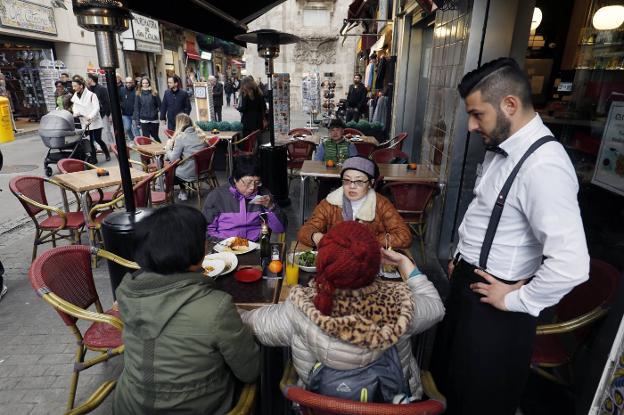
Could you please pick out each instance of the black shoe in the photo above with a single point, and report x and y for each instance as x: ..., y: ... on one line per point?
x: 107, y: 158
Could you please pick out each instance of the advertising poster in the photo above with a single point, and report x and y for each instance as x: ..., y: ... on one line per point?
x: 609, y: 170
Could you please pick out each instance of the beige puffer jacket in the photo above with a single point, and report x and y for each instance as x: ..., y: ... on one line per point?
x: 348, y: 339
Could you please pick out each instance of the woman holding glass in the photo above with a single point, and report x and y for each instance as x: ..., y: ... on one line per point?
x: 357, y: 200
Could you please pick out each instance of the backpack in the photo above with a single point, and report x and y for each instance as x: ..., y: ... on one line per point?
x: 380, y: 381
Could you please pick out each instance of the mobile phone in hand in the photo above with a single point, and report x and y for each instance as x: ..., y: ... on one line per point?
x: 256, y: 199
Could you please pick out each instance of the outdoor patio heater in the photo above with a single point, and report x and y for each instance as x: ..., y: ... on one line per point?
x: 274, y: 160
x: 106, y: 18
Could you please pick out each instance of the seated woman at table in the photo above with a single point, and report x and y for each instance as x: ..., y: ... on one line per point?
x: 234, y: 209
x: 357, y: 200
x: 187, y: 139
x: 186, y: 345
x: 336, y: 149
x: 346, y: 318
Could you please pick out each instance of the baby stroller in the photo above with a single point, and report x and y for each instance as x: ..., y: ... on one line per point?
x: 58, y: 133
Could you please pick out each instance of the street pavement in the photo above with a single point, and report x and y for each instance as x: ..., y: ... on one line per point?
x: 36, y: 348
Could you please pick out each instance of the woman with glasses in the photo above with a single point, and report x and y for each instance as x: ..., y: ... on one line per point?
x: 357, y: 200
x: 234, y: 209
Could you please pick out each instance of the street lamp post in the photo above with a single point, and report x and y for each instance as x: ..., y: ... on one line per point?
x: 274, y: 159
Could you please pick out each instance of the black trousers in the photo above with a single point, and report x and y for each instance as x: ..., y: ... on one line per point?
x: 218, y: 110
x: 96, y: 136
x: 353, y: 114
x: 482, y: 355
x: 150, y: 129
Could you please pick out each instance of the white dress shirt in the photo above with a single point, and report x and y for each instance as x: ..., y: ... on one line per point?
x: 541, y: 218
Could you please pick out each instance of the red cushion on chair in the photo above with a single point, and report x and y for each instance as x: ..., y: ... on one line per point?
x: 75, y: 220
x: 107, y: 196
x: 102, y: 335
x: 158, y: 197
x: 549, y: 350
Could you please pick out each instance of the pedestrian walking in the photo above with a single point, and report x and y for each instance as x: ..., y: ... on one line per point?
x: 356, y: 98
x: 127, y: 98
x: 59, y: 93
x: 86, y: 106
x: 217, y: 97
x: 251, y: 106
x: 67, y: 82
x: 229, y: 90
x: 174, y: 102
x: 237, y: 86
x: 105, y: 108
x: 146, y: 106
x: 502, y: 277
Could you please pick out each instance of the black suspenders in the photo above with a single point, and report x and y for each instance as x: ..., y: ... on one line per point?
x: 497, y: 211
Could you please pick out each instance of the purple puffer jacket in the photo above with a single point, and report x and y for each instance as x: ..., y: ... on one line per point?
x: 229, y: 213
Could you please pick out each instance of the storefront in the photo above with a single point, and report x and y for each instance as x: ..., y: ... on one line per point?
x: 141, y: 44
x: 172, y: 60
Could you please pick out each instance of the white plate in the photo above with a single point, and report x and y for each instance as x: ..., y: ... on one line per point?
x: 356, y: 138
x: 301, y: 267
x: 216, y: 264
x: 223, y: 246
x: 229, y: 259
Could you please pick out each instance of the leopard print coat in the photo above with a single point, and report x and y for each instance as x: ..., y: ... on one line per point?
x: 363, y: 324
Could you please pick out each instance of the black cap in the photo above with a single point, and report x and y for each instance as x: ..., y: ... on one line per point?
x: 336, y: 123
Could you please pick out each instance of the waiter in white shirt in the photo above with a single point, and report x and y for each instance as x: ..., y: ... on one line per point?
x: 521, y: 246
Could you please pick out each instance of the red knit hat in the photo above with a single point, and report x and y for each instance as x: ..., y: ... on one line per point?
x: 348, y: 258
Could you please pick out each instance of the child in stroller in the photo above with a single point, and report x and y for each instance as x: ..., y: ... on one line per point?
x: 59, y: 133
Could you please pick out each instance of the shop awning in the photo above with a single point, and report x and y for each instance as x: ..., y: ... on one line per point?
x: 220, y: 18
x: 193, y: 56
x: 237, y: 62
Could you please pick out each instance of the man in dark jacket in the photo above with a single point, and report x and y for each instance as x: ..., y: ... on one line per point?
x: 105, y: 109
x: 127, y: 96
x: 174, y: 102
x: 229, y: 90
x: 217, y: 97
x: 356, y: 98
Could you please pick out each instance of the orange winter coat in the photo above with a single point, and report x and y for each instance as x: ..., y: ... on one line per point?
x: 377, y: 213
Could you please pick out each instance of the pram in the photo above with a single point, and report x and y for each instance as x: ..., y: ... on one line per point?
x: 58, y: 133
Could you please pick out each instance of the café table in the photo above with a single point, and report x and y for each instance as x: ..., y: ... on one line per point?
x: 157, y: 152
x: 228, y: 136
x: 82, y: 182
x: 389, y: 172
x: 282, y: 139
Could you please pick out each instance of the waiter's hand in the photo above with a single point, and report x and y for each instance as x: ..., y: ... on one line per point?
x: 451, y: 267
x: 494, y: 291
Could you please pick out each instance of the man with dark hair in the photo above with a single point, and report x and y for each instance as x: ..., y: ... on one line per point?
x: 67, y: 82
x: 175, y: 101
x: 105, y: 108
x: 127, y: 96
x: 356, y: 98
x: 502, y: 279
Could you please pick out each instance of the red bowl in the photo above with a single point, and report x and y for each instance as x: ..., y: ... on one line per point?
x: 248, y: 274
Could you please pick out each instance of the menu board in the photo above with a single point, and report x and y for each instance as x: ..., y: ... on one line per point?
x: 609, y: 169
x: 311, y: 92
x: 203, y: 101
x: 281, y: 102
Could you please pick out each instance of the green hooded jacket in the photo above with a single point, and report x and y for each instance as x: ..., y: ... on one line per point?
x: 185, y: 346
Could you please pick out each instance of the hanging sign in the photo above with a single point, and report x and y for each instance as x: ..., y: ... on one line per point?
x: 24, y: 15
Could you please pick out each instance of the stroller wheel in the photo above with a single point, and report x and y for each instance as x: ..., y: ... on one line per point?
x: 48, y: 171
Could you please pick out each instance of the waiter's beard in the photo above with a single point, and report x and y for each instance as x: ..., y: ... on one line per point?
x: 501, y: 130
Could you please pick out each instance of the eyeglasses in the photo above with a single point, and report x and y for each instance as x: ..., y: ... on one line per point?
x: 354, y: 183
x: 250, y: 183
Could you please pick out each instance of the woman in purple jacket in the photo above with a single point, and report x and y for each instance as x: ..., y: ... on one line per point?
x: 234, y: 209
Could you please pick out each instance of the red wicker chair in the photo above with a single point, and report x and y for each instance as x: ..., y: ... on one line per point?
x: 145, y: 159
x: 315, y: 404
x: 133, y: 163
x: 248, y: 144
x: 62, y: 277
x: 396, y: 142
x: 386, y: 155
x: 365, y: 149
x: 204, y: 171
x: 31, y: 193
x: 300, y: 131
x: 167, y: 196
x: 74, y: 165
x: 353, y: 131
x: 169, y: 133
x: 556, y: 343
x: 411, y: 201
x: 298, y: 152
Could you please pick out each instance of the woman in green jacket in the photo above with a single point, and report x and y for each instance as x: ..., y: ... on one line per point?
x: 186, y: 345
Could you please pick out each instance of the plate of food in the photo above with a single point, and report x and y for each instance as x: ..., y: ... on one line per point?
x: 228, y: 258
x: 213, y: 267
x: 236, y: 245
x: 307, y: 261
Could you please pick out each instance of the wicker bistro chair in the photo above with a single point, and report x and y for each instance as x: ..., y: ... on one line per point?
x: 352, y: 131
x: 248, y: 144
x: 314, y: 404
x: 386, y: 155
x: 165, y: 196
x: 575, y: 316
x: 145, y: 159
x: 30, y: 191
x: 133, y: 163
x: 204, y: 171
x: 298, y: 152
x: 411, y: 201
x: 63, y: 278
x: 74, y: 165
x: 365, y: 149
x: 169, y: 133
x: 396, y: 142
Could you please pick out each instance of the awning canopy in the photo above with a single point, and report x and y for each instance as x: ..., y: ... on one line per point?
x: 193, y: 56
x: 220, y: 18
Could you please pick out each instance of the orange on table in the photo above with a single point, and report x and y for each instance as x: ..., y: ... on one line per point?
x: 275, y: 266
x: 412, y: 166
x: 330, y: 163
